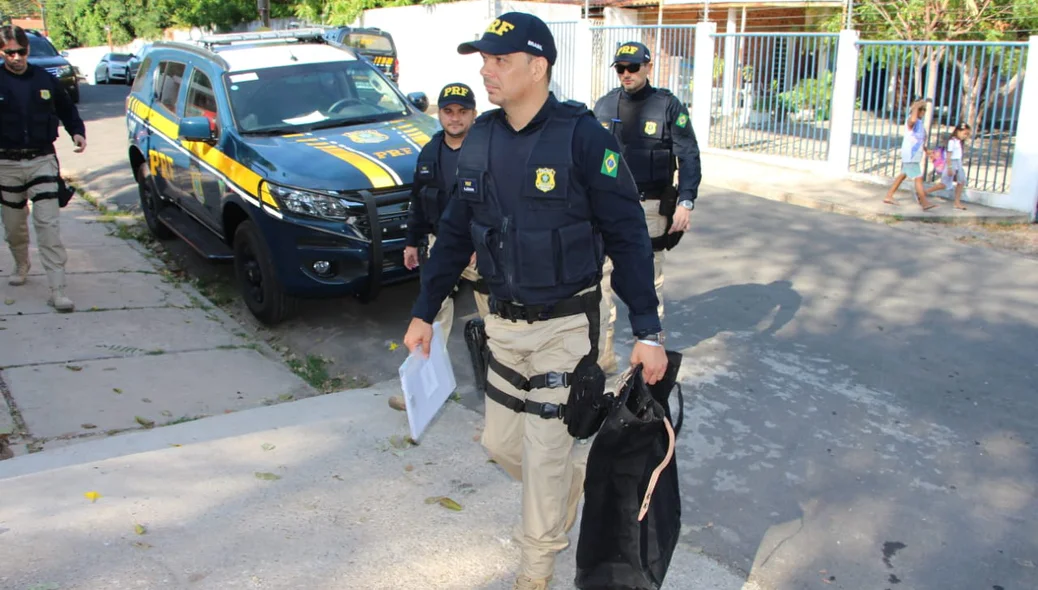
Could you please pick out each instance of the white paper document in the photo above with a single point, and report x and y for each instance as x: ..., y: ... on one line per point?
x: 427, y: 382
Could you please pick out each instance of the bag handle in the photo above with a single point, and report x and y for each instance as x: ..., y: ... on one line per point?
x: 659, y: 469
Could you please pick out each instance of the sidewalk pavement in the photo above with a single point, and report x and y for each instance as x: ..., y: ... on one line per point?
x: 862, y: 198
x: 321, y: 492
x: 140, y: 349
x: 352, y: 506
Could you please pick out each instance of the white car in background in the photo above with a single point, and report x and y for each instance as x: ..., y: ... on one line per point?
x: 112, y: 67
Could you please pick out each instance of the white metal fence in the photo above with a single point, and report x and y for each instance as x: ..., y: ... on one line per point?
x: 829, y: 98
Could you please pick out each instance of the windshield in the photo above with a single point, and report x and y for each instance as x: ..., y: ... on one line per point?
x: 39, y: 47
x: 368, y: 42
x: 119, y: 57
x: 293, y: 99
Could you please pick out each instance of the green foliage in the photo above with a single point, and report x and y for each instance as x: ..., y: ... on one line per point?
x: 75, y: 23
x: 814, y: 94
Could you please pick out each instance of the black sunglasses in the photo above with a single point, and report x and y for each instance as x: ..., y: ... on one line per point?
x: 12, y: 52
x: 633, y: 68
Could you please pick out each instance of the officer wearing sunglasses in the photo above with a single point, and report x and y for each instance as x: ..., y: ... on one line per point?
x: 655, y: 134
x: 32, y: 102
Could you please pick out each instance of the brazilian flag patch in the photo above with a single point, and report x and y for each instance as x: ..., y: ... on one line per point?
x: 682, y: 120
x: 610, y: 163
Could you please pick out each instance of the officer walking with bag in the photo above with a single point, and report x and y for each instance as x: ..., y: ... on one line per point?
x: 433, y: 178
x: 32, y: 101
x: 542, y: 195
x: 655, y: 134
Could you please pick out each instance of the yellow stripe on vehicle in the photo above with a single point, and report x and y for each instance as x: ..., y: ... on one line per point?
x: 392, y: 173
x: 378, y: 177
x: 245, y: 178
x: 266, y: 197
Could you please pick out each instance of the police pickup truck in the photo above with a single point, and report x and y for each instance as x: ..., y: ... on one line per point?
x: 283, y: 152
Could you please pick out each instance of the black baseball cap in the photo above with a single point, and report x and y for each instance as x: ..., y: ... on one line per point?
x: 456, y: 93
x: 515, y: 32
x: 632, y: 52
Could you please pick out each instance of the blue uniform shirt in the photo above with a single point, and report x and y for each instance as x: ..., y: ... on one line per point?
x: 615, y: 206
x: 419, y: 224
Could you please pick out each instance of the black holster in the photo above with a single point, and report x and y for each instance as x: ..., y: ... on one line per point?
x: 668, y: 202
x: 668, y: 205
x: 476, y: 341
x: 587, y: 405
x: 65, y: 193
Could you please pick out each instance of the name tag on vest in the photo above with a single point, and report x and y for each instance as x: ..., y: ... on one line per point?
x: 468, y: 186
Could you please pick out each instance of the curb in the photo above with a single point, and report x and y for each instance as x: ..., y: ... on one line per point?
x: 851, y: 211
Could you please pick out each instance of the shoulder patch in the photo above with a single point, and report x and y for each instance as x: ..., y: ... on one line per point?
x: 610, y: 163
x: 682, y: 120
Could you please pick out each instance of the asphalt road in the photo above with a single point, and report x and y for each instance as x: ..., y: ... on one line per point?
x: 860, y: 400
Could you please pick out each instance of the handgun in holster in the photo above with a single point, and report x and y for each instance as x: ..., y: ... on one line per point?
x: 588, y: 404
x: 479, y: 351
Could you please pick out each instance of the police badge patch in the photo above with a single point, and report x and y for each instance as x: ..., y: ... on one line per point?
x: 366, y: 136
x: 545, y: 179
x: 45, y: 94
x: 650, y: 128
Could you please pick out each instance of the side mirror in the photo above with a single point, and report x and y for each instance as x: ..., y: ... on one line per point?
x: 64, y: 54
x: 197, y: 129
x: 419, y: 100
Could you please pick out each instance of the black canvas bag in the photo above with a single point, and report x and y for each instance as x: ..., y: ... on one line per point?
x: 632, y: 504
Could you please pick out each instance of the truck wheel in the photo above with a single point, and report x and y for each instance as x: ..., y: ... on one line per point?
x: 151, y: 204
x: 257, y: 279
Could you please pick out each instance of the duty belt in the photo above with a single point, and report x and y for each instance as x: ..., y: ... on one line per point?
x: 24, y: 154
x: 533, y: 313
x: 650, y: 195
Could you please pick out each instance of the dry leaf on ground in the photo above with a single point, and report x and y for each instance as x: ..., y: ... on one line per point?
x: 92, y: 496
x: 267, y: 476
x: 444, y: 501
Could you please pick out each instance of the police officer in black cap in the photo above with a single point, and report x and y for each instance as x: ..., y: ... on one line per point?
x: 433, y: 179
x: 656, y: 136
x: 542, y: 195
x: 32, y: 102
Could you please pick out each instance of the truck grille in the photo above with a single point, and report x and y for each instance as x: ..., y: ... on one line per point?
x: 394, y: 226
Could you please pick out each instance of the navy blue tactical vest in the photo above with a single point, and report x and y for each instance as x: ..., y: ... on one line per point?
x: 430, y: 180
x: 40, y: 128
x: 547, y: 248
x: 651, y: 158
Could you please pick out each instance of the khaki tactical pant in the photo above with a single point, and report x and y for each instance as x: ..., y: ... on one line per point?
x: 537, y: 451
x: 19, y: 193
x: 657, y: 224
x: 446, y: 314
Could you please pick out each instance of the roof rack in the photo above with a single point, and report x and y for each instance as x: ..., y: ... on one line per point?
x: 308, y: 34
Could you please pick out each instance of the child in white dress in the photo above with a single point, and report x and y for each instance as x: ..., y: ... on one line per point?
x: 954, y: 173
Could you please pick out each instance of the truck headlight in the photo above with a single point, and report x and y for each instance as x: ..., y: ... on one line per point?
x: 311, y: 204
x: 64, y: 71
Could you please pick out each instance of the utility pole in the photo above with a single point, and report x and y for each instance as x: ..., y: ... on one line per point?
x: 108, y: 31
x: 264, y: 12
x: 850, y: 12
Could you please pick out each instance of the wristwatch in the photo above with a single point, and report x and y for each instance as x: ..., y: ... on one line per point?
x: 656, y: 339
x: 687, y: 204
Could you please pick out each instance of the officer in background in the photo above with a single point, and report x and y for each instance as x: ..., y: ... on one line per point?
x: 656, y: 137
x: 32, y: 101
x: 433, y: 178
x: 542, y: 195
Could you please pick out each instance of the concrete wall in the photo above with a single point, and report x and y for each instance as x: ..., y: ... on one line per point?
x: 427, y: 39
